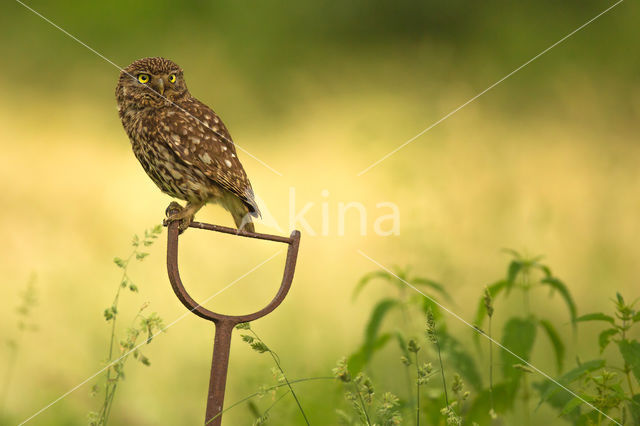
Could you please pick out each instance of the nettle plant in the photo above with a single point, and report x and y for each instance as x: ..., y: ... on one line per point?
x: 609, y: 387
x: 438, y: 367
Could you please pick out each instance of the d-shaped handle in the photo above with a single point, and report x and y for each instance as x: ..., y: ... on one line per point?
x: 176, y: 283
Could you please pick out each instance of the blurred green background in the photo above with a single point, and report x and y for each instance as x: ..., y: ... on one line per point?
x: 547, y: 162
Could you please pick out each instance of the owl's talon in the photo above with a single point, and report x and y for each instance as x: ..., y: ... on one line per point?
x: 172, y: 210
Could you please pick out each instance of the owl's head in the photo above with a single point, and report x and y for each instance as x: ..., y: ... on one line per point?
x: 150, y: 82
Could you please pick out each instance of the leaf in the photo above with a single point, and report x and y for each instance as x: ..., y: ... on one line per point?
x: 634, y: 408
x: 119, y: 262
x: 367, y: 278
x: 371, y: 339
x: 605, y: 338
x: 375, y: 321
x: 512, y: 271
x: 513, y: 253
x: 403, y: 344
x: 459, y: 359
x: 141, y: 256
x: 481, y: 405
x: 494, y: 289
x: 556, y: 342
x: 564, y: 292
x: 575, y: 403
x: 518, y: 336
x: 545, y: 269
x: 434, y: 285
x: 630, y: 351
x: 597, y: 316
x: 430, y: 305
x: 548, y: 389
x: 360, y: 358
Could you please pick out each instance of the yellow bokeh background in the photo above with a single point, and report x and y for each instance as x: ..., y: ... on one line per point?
x: 545, y: 163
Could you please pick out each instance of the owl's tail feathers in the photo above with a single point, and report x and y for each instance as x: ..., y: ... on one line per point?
x: 242, y: 218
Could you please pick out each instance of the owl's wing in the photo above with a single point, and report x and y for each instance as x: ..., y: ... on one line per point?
x: 201, y: 140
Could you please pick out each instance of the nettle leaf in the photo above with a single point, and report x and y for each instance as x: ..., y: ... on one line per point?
x: 630, y: 351
x: 556, y: 342
x: 368, y: 278
x: 518, y: 336
x: 430, y: 305
x: 548, y: 388
x: 545, y: 269
x: 434, y: 285
x: 402, y: 344
x: 564, y: 292
x: 481, y: 405
x: 575, y: 403
x: 634, y: 408
x: 377, y: 316
x: 605, y: 338
x: 494, y: 289
x: 460, y: 360
x: 513, y: 270
x: 372, y: 341
x: 597, y: 316
x: 360, y: 358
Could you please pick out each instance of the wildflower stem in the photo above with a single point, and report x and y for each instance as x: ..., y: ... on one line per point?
x: 364, y: 408
x: 444, y: 382
x: 11, y: 366
x: 277, y: 361
x: 417, y: 392
x: 490, y: 367
x: 253, y: 395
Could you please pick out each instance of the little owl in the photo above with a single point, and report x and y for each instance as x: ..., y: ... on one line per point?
x: 181, y: 143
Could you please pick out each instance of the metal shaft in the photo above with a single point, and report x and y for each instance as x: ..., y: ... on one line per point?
x: 219, y: 365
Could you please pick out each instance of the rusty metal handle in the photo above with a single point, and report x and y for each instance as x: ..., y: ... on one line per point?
x: 176, y: 283
x: 224, y: 324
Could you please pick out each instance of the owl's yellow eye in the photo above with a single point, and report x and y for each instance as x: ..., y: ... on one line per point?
x: 143, y: 78
x: 172, y: 78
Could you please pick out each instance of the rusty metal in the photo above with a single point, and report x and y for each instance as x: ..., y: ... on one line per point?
x: 224, y: 324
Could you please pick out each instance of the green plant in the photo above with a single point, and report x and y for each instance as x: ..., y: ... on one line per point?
x: 479, y: 403
x: 25, y: 324
x: 600, y: 382
x: 143, y: 327
x: 360, y: 393
x: 258, y: 345
x: 525, y: 274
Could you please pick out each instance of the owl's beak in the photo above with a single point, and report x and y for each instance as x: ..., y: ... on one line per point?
x: 158, y: 84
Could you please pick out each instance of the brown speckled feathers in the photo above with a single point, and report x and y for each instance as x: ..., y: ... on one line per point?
x: 181, y: 143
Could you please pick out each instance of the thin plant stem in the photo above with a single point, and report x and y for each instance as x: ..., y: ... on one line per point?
x: 444, y: 382
x: 108, y: 398
x: 490, y: 366
x: 417, y: 394
x: 277, y: 361
x: 11, y: 366
x: 409, y: 387
x: 253, y: 395
x: 275, y: 402
x: 525, y: 398
x: 364, y: 408
x: 626, y: 366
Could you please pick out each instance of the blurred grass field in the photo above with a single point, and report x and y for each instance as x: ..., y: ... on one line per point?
x: 547, y: 162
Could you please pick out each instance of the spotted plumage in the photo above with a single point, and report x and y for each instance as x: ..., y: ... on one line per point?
x: 181, y: 143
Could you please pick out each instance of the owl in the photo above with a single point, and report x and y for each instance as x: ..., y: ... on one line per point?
x: 181, y: 143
